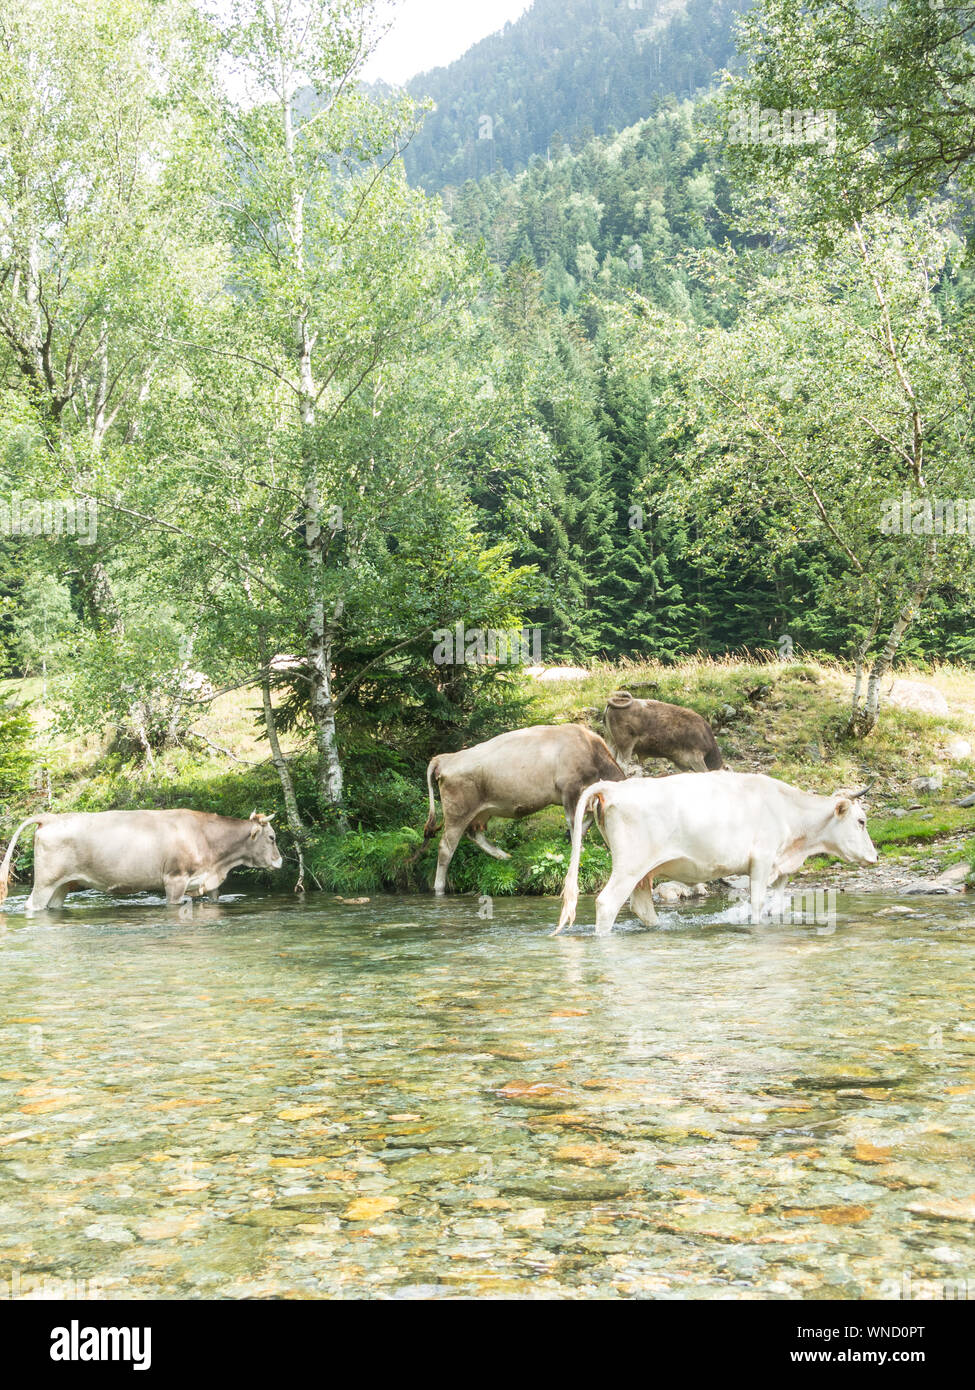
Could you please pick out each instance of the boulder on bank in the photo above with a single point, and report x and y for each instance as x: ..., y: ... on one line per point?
x: 548, y: 675
x: 917, y: 695
x: 928, y: 784
x: 951, y: 881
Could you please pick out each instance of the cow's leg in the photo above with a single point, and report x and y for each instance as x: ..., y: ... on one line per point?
x: 641, y: 901
x: 175, y: 886
x: 778, y: 889
x: 570, y: 801
x: 205, y: 885
x: 41, y: 898
x: 476, y: 833
x: 56, y: 901
x: 759, y: 873
x: 449, y: 840
x: 586, y: 823
x: 48, y: 874
x: 623, y: 753
x: 612, y: 898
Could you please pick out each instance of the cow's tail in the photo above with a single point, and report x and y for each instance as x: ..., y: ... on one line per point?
x: 591, y: 798
x: 5, y: 874
x: 433, y: 772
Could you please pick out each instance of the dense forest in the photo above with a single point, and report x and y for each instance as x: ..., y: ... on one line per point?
x: 563, y: 72
x: 642, y: 387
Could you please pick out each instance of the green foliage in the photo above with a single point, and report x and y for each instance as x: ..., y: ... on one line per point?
x: 135, y: 681
x: 390, y: 861
x: 800, y: 423
x: 364, y: 861
x: 897, y: 83
x: 16, y: 751
x: 43, y: 624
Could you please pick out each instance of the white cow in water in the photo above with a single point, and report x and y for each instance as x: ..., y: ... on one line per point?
x: 181, y: 852
x: 692, y: 828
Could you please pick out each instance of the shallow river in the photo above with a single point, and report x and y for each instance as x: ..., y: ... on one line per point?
x: 405, y: 1099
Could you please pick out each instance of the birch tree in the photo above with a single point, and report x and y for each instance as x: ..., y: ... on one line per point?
x: 104, y: 247
x: 341, y: 270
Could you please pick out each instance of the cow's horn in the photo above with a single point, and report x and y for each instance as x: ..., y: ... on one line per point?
x: 855, y: 796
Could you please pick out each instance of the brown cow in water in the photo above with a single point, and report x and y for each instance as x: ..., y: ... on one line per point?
x: 640, y: 729
x: 179, y: 852
x: 512, y: 776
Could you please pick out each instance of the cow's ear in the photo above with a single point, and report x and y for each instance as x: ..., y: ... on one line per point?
x: 255, y: 829
x: 843, y: 805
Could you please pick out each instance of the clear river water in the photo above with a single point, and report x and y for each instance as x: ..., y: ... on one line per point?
x: 409, y: 1098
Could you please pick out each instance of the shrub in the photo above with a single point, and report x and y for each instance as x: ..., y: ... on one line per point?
x: 16, y: 734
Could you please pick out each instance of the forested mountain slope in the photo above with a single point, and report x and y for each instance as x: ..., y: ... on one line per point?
x: 618, y: 215
x: 567, y: 69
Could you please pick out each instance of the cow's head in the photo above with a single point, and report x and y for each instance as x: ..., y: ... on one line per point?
x: 264, y: 852
x: 846, y: 833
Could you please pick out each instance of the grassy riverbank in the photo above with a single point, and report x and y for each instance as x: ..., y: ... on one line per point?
x: 785, y: 719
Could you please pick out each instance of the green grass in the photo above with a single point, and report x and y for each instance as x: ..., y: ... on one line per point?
x: 921, y: 827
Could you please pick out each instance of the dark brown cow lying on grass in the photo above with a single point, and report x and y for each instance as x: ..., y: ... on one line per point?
x: 641, y: 729
x: 178, y: 852
x: 512, y: 776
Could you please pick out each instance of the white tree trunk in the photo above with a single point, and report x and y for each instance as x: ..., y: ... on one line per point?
x: 295, y: 823
x: 320, y: 627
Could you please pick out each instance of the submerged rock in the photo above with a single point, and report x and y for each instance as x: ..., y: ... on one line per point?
x: 438, y: 1167
x: 948, y: 1209
x: 672, y: 892
x: 840, y: 1080
x: 575, y: 1189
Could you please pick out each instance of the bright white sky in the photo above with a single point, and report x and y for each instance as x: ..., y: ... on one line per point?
x: 431, y: 33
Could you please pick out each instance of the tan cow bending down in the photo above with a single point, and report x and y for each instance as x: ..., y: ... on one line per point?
x: 180, y: 852
x: 512, y: 776
x: 695, y: 829
x: 640, y: 729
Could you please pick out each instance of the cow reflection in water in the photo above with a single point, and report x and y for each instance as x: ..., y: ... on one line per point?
x: 181, y: 853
